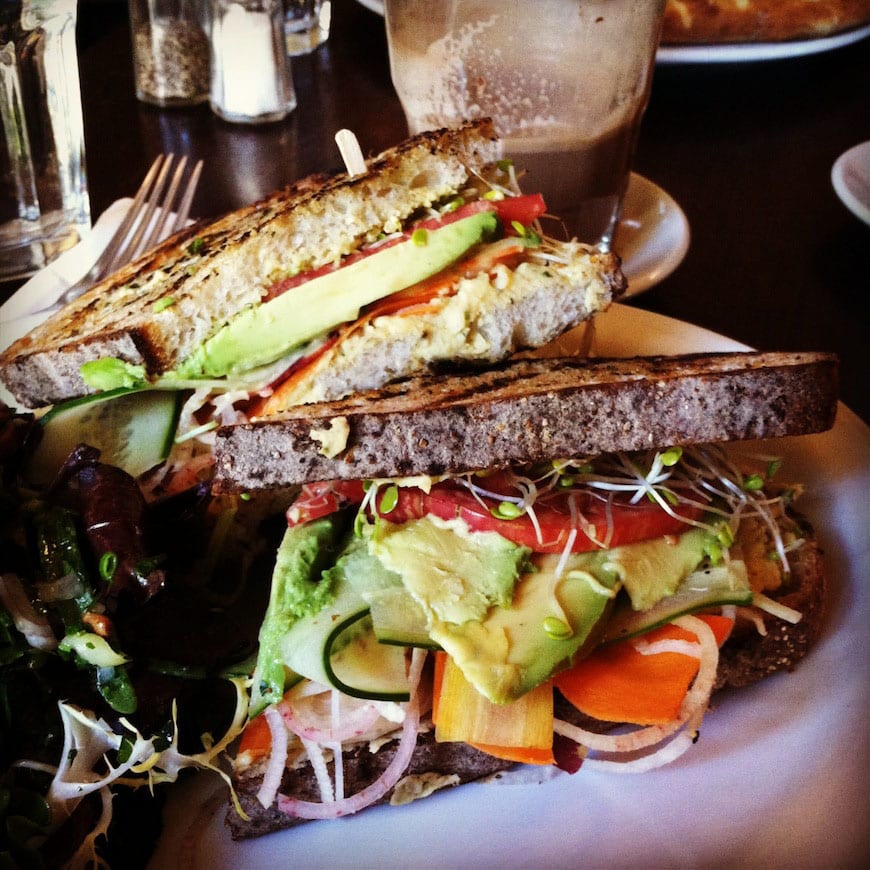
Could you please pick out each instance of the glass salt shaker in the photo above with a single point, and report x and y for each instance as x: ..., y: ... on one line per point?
x: 170, y: 51
x: 251, y: 82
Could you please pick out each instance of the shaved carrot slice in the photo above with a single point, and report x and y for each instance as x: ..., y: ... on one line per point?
x: 520, y: 754
x: 256, y: 739
x: 461, y: 713
x: 274, y: 402
x: 619, y: 684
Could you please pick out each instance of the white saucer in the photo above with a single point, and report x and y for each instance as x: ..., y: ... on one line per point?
x: 850, y: 176
x: 652, y: 237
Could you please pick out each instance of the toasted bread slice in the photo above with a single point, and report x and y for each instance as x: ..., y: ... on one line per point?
x: 233, y: 261
x: 529, y: 410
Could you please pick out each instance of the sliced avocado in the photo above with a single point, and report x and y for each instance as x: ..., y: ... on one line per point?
x: 515, y: 648
x: 453, y: 574
x: 264, y: 333
x: 297, y: 591
x: 505, y: 646
x: 652, y: 570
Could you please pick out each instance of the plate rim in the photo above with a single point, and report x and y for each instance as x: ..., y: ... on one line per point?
x: 732, y: 52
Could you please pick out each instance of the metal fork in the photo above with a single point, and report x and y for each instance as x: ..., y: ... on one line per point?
x: 141, y: 228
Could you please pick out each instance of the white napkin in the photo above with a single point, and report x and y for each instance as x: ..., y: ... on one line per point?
x: 46, y: 286
x: 25, y: 309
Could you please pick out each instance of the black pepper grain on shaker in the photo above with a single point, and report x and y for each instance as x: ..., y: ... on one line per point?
x: 170, y: 52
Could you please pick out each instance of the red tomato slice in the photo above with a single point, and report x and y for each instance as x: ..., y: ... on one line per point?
x: 600, y: 523
x: 523, y: 209
x: 322, y: 499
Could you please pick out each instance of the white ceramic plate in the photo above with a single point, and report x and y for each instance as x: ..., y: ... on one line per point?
x: 749, y: 51
x: 652, y: 237
x: 777, y: 780
x: 850, y: 176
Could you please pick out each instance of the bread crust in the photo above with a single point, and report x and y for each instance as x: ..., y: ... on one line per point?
x: 531, y: 410
x: 747, y: 657
x: 735, y: 21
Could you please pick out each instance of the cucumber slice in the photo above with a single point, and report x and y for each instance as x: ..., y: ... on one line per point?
x: 362, y: 667
x: 132, y: 429
x: 338, y: 648
x: 701, y: 590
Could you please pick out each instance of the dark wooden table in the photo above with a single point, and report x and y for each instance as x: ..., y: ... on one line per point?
x: 775, y: 261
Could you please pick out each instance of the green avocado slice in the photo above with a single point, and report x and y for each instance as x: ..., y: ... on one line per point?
x: 263, y: 333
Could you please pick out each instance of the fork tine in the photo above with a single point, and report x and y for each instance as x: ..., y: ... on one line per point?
x: 139, y: 221
x: 133, y: 244
x: 187, y: 199
x: 111, y: 255
x: 156, y: 231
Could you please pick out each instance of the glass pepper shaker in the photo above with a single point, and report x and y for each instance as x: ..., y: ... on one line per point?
x: 251, y: 82
x: 170, y: 51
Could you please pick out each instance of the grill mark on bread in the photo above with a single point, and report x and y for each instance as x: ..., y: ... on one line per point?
x: 532, y: 410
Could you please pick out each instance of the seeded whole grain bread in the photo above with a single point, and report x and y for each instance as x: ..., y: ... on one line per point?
x: 303, y: 226
x: 747, y: 657
x: 529, y: 410
x: 711, y: 22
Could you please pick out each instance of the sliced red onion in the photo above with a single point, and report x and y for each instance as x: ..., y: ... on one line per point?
x: 698, y: 696
x: 668, y: 753
x: 673, y: 645
x: 354, y: 725
x: 277, y: 758
x: 371, y: 793
x: 375, y: 791
x: 635, y: 740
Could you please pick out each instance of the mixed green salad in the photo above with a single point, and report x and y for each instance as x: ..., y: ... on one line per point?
x: 126, y: 629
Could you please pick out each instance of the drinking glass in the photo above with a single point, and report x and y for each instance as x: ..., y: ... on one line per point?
x: 306, y: 24
x: 566, y: 83
x: 44, y: 204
